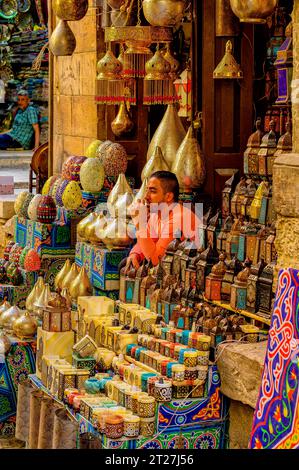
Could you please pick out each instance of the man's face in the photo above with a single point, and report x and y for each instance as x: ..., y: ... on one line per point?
x: 155, y: 193
x: 23, y: 101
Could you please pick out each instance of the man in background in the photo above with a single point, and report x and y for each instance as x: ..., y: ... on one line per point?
x: 25, y: 126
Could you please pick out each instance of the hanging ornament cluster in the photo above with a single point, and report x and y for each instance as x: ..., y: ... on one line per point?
x: 62, y: 41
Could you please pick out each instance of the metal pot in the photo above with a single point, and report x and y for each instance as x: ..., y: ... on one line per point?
x: 253, y: 11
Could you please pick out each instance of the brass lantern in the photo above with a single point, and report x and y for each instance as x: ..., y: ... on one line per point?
x: 255, y: 272
x: 214, y: 228
x: 267, y: 151
x: 232, y: 241
x: 214, y: 280
x: 238, y: 197
x: 142, y: 272
x: 206, y: 261
x: 238, y: 296
x: 251, y: 153
x: 221, y: 239
x: 158, y: 85
x: 265, y: 283
x: 109, y: 85
x: 248, y: 198
x: 189, y: 252
x: 227, y: 193
x: 228, y: 68
x: 167, y: 260
x: 233, y: 268
x: 271, y: 253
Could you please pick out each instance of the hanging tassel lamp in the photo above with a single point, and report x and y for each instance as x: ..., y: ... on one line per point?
x: 158, y: 86
x: 110, y: 86
x: 129, y: 82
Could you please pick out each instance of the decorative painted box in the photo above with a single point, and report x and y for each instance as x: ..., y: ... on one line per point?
x: 57, y: 320
x: 49, y: 343
x: 101, y: 264
x: 66, y: 379
x: 85, y: 347
x: 88, y: 363
x: 96, y: 306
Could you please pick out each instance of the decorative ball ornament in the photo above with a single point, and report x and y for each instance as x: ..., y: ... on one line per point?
x: 115, y: 160
x: 32, y: 261
x: 163, y: 12
x: 101, y: 150
x: 22, y: 257
x: 91, y: 151
x: 19, y: 202
x: 14, y: 274
x: 46, y: 211
x: 72, y: 196
x: 48, y: 184
x: 23, y: 212
x: 59, y: 192
x: 32, y: 208
x: 92, y: 175
x: 71, y: 168
x: 7, y: 250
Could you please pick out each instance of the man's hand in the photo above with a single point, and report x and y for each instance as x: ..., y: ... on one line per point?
x: 132, y: 259
x: 139, y: 212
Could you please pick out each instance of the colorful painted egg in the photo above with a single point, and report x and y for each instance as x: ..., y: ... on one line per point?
x: 7, y: 250
x: 91, y: 151
x: 59, y: 192
x: 101, y: 150
x: 115, y: 160
x: 23, y: 212
x: 22, y: 257
x: 71, y: 168
x: 72, y: 196
x: 20, y: 199
x: 46, y: 210
x: 55, y: 187
x: 32, y: 208
x: 32, y: 261
x: 48, y: 185
x: 15, y: 253
x: 14, y: 274
x: 92, y: 175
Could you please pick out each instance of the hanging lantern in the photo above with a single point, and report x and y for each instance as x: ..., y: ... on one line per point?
x: 129, y: 82
x: 110, y: 86
x: 284, y: 66
x: 122, y: 124
x: 228, y: 68
x: 136, y: 56
x: 183, y: 87
x: 164, y: 12
x: 70, y: 10
x: 174, y: 64
x: 254, y: 11
x: 158, y: 86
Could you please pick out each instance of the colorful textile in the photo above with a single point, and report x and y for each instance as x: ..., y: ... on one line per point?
x: 276, y: 418
x: 18, y: 364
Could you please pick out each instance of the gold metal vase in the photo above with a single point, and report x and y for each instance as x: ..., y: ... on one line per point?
x: 189, y: 165
x: 62, y: 274
x: 81, y: 286
x: 25, y: 326
x: 123, y: 123
x: 34, y: 294
x: 163, y: 12
x: 82, y: 226
x: 168, y: 136
x: 62, y: 41
x: 70, y: 10
x: 121, y: 187
x: 70, y: 277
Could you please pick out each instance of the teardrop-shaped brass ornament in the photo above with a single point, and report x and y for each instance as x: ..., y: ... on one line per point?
x: 121, y: 187
x: 62, y: 41
x: 70, y: 277
x: 83, y: 224
x: 189, y: 165
x: 155, y: 163
x: 35, y: 294
x: 43, y: 299
x: 81, y: 286
x: 25, y: 326
x: 92, y: 231
x: 168, y: 136
x: 122, y: 124
x: 62, y: 274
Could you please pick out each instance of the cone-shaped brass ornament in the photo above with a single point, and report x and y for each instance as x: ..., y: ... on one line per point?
x: 8, y: 317
x: 123, y: 123
x: 228, y: 68
x: 253, y: 11
x: 122, y: 205
x: 155, y: 163
x: 5, y: 306
x: 121, y: 187
x: 142, y: 191
x: 43, y: 299
x: 70, y: 277
x: 62, y: 41
x: 81, y: 286
x: 189, y: 165
x: 5, y: 343
x: 168, y: 136
x: 93, y: 230
x: 35, y: 294
x: 62, y: 274
x: 70, y: 10
x: 82, y: 226
x: 65, y: 293
x: 25, y: 326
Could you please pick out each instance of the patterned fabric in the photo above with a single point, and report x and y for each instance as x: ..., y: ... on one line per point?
x: 276, y: 418
x: 18, y: 364
x: 22, y: 129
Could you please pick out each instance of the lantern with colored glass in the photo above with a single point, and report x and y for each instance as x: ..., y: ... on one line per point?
x: 238, y: 295
x: 260, y: 246
x: 227, y: 193
x: 284, y: 66
x: 249, y: 196
x: 141, y: 272
x: 238, y: 197
x: 233, y: 267
x: 190, y: 251
x: 206, y: 261
x: 214, y: 228
x: 232, y: 241
x: 266, y: 212
x: 251, y: 153
x: 176, y: 267
x: 167, y: 260
x: 127, y: 281
x: 255, y: 272
x: 214, y: 280
x: 267, y: 151
x: 221, y: 239
x: 183, y: 87
x: 265, y: 284
x: 146, y: 283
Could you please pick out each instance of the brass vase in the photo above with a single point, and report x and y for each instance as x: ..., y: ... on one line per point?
x: 81, y: 286
x: 70, y: 10
x: 121, y: 187
x: 93, y: 232
x: 189, y: 165
x: 62, y: 41
x: 62, y: 274
x: 155, y: 163
x: 163, y: 12
x: 122, y: 205
x: 25, y: 326
x: 253, y: 11
x: 116, y: 234
x: 122, y: 124
x: 168, y: 136
x: 70, y: 277
x: 8, y: 317
x: 82, y: 226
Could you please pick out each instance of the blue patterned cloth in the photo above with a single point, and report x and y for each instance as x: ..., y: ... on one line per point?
x: 22, y: 130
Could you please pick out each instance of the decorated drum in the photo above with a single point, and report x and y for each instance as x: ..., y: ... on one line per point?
x: 147, y: 427
x: 203, y: 343
x: 202, y: 372
x: 191, y: 373
x: 146, y: 406
x: 131, y: 426
x: 163, y: 390
x: 178, y: 372
x: 203, y: 358
x: 188, y: 357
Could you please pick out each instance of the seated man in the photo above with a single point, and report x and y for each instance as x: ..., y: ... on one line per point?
x: 160, y: 218
x: 25, y: 125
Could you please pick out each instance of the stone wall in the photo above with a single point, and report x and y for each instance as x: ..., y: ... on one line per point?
x: 77, y: 120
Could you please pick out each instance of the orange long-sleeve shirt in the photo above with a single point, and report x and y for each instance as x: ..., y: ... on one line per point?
x: 162, y: 227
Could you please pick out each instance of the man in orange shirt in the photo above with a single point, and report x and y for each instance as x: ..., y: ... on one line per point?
x: 160, y: 218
